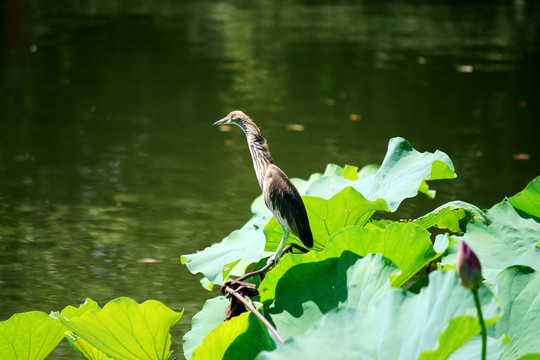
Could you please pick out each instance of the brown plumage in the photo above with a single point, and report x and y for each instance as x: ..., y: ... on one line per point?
x: 279, y: 193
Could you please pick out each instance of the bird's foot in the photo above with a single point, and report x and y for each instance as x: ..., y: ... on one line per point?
x: 274, y: 259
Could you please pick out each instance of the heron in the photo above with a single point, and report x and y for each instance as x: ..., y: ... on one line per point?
x: 280, y: 195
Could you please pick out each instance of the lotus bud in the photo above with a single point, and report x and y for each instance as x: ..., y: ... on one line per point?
x: 468, y: 267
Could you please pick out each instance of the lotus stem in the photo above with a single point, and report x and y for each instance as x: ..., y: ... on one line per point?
x: 481, y: 321
x: 256, y: 312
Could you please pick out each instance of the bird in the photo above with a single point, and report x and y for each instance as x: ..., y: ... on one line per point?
x: 280, y: 195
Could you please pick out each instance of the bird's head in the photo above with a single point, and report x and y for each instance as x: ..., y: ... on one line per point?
x: 236, y: 117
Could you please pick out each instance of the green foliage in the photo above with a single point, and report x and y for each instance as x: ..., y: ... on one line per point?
x: 211, y: 315
x: 242, y: 337
x: 31, y: 334
x: 452, y: 216
x: 402, y: 174
x: 511, y: 239
x: 295, y: 305
x: 399, y: 325
x: 528, y: 200
x: 362, y: 292
x: 341, y: 300
x: 84, y: 348
x: 217, y: 261
x: 520, y: 301
x: 71, y: 312
x: 123, y: 329
x: 406, y: 244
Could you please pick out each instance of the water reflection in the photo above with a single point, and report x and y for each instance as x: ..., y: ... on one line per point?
x: 107, y: 155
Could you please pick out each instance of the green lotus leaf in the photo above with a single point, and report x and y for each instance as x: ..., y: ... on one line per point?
x: 218, y: 260
x: 335, y: 336
x: 452, y: 216
x: 242, y: 337
x: 30, y: 335
x: 211, y: 315
x: 528, y: 200
x: 337, y: 244
x: 406, y: 244
x: 403, y: 325
x: 511, y: 239
x: 368, y: 170
x: 326, y: 217
x: 472, y: 350
x: 516, y: 334
x: 349, y: 172
x: 124, y: 329
x: 518, y: 288
x: 71, y: 312
x: 295, y: 304
x: 84, y: 348
x: 401, y: 175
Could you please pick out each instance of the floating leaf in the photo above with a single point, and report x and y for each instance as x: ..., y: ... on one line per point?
x: 211, y: 315
x: 149, y: 261
x: 295, y: 127
x: 30, y: 335
x: 124, y: 329
x: 465, y: 68
x: 521, y: 156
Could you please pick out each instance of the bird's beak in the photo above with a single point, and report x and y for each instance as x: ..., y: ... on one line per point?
x: 225, y: 120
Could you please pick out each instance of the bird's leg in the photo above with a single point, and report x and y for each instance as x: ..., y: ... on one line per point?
x: 281, y: 244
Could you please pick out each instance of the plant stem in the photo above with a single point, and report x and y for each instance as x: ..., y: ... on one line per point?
x: 255, y: 312
x: 481, y: 321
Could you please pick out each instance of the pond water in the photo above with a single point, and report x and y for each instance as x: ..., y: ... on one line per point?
x: 107, y: 156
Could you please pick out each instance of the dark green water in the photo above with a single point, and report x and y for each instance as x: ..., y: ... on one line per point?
x: 107, y: 155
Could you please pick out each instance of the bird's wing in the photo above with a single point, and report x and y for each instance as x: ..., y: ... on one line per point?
x: 283, y: 199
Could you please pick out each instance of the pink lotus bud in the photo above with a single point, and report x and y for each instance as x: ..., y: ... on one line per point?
x: 468, y: 267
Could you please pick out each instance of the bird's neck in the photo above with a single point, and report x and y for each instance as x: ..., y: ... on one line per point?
x: 259, y: 151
